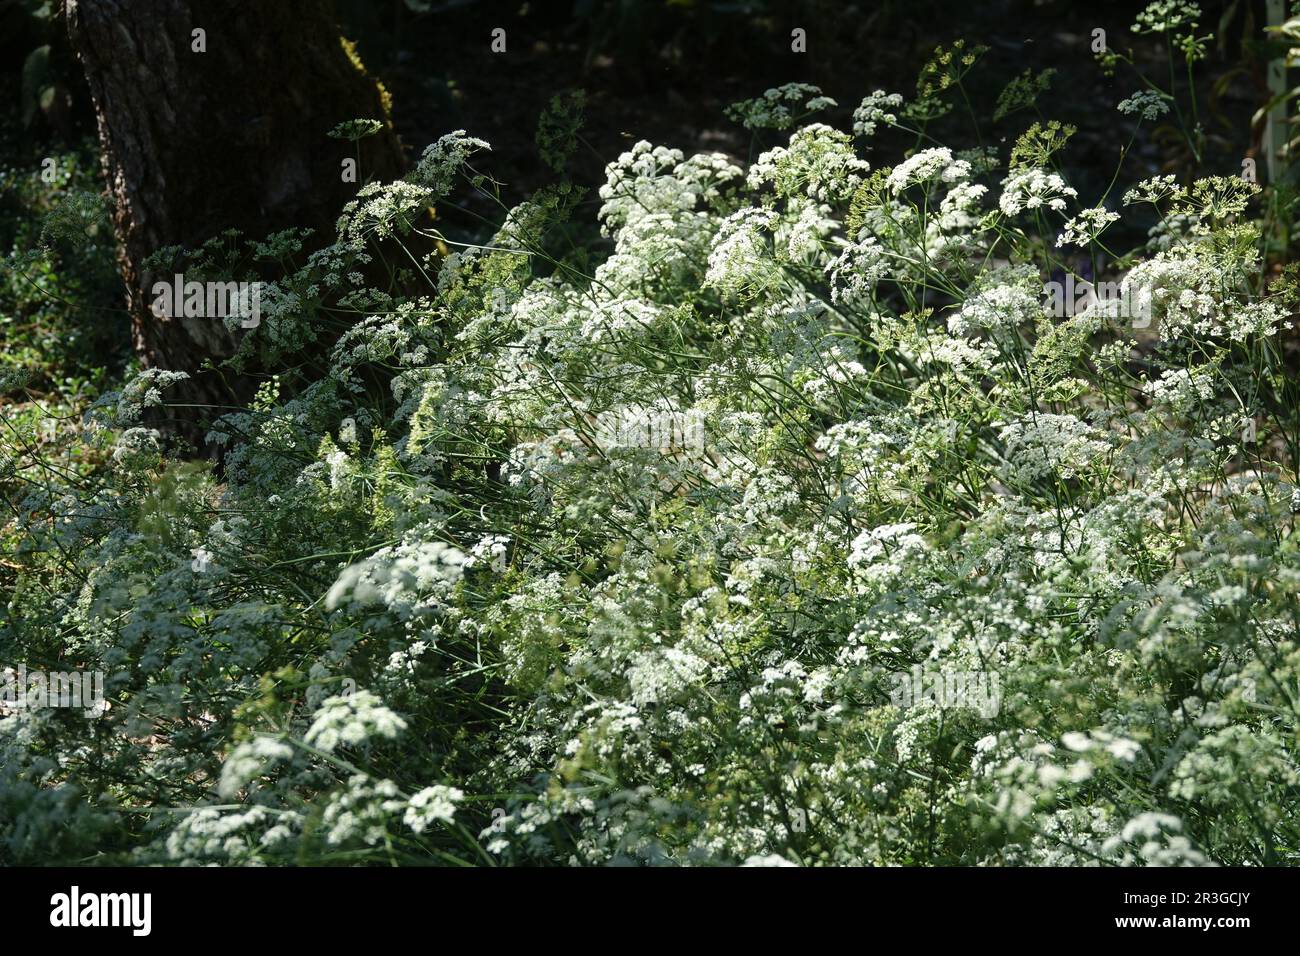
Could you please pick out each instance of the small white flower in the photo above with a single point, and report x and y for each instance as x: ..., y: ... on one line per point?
x: 352, y: 720
x: 1086, y: 226
x: 1148, y: 103
x: 436, y: 803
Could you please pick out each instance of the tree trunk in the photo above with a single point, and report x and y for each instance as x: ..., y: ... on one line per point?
x: 233, y: 137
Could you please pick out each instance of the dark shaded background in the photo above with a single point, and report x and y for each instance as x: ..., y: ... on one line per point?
x: 664, y: 70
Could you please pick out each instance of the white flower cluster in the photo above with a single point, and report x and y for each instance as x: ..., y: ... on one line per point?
x: 1085, y: 227
x: 1180, y: 389
x: 1033, y: 189
x: 124, y: 408
x: 927, y: 166
x: 1046, y: 445
x: 879, y: 107
x: 443, y: 161
x: 857, y: 271
x: 407, y: 579
x: 351, y: 720
x: 1149, y: 104
x: 630, y: 544
x: 818, y: 164
x: 780, y: 107
x: 741, y: 262
x: 1002, y: 308
x: 431, y: 805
